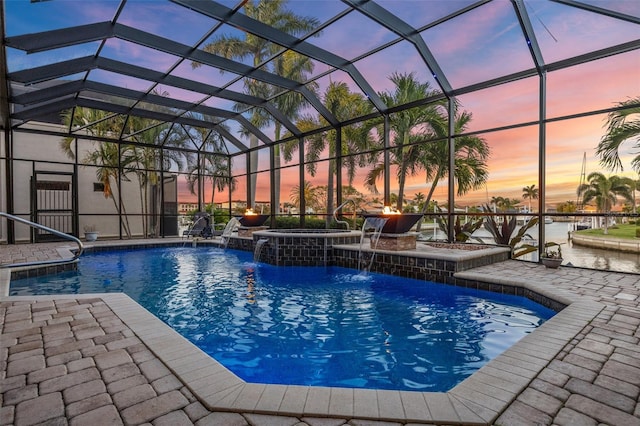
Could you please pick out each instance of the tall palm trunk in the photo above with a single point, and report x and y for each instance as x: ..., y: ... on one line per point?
x: 276, y: 173
x: 145, y: 209
x: 253, y: 157
x: 213, y: 207
x: 403, y: 168
x: 142, y: 191
x: 142, y: 207
x: 125, y: 222
x: 436, y: 179
x: 401, y: 183
x: 213, y: 191
x: 332, y: 168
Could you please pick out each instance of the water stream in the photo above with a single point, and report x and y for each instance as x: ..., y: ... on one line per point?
x: 231, y: 226
x: 259, y: 245
x: 372, y: 227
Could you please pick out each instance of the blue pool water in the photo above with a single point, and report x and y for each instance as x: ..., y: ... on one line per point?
x: 309, y: 325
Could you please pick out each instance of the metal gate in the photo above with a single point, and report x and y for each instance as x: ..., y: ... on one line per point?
x: 52, y: 198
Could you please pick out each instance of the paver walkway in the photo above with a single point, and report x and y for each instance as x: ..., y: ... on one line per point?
x: 73, y: 361
x: 596, y: 378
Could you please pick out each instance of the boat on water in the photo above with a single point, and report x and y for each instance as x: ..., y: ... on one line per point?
x: 581, y: 226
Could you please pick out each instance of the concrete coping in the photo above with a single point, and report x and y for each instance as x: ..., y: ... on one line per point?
x: 424, y: 251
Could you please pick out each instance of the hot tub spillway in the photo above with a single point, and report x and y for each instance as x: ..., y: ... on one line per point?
x: 259, y: 245
x: 374, y: 225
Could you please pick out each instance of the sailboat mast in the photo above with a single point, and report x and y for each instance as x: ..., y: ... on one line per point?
x: 583, y: 178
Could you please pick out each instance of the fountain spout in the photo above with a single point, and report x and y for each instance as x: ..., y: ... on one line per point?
x: 373, y: 225
x: 335, y: 213
x: 231, y: 226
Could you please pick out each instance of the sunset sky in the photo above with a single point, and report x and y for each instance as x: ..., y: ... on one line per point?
x: 482, y: 44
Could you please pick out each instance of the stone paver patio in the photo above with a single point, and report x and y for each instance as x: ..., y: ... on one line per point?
x: 102, y: 359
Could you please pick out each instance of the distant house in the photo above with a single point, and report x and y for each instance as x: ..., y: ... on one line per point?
x: 185, y: 208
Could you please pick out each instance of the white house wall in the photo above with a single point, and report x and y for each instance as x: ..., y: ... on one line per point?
x: 43, y: 153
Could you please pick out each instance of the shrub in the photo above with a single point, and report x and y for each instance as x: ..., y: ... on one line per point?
x: 293, y: 222
x: 462, y: 231
x: 502, y: 232
x: 221, y: 216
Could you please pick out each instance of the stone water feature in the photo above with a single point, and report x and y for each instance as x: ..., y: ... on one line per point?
x: 251, y: 222
x: 393, y: 255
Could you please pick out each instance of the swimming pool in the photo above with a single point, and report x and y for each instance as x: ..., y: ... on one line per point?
x: 309, y: 326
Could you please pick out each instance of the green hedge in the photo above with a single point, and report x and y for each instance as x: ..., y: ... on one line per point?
x: 293, y: 222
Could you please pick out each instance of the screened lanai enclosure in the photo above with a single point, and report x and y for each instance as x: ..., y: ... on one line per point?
x: 127, y: 117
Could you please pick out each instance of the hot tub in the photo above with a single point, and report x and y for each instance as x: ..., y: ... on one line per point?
x: 301, y: 247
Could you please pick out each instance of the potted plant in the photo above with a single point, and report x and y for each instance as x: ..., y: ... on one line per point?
x: 552, y: 255
x: 90, y: 233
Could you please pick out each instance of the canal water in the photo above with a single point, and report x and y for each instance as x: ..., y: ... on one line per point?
x: 588, y: 257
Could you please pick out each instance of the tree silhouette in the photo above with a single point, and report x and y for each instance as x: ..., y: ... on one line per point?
x: 622, y: 125
x: 530, y: 193
x: 605, y: 191
x: 289, y: 64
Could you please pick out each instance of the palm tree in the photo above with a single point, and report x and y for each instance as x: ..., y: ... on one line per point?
x: 567, y: 207
x: 605, y: 192
x: 408, y: 127
x: 622, y: 125
x: 110, y: 164
x: 108, y: 157
x: 497, y: 202
x: 531, y: 193
x: 212, y: 163
x: 470, y: 158
x: 146, y: 161
x: 311, y: 196
x: 290, y: 65
x: 510, y: 203
x: 296, y: 67
x: 143, y: 159
x: 343, y: 104
x: 418, y: 199
x: 351, y: 193
x: 212, y: 167
x: 635, y: 187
